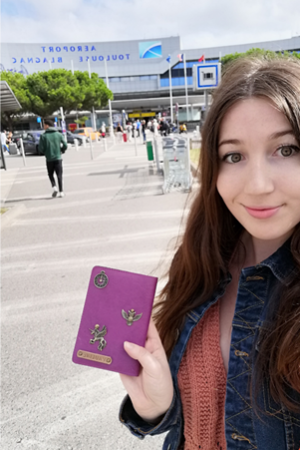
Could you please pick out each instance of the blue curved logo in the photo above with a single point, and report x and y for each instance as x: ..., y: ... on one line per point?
x: 150, y: 50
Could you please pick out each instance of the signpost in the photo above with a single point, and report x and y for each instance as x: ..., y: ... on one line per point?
x: 206, y: 76
x: 39, y: 120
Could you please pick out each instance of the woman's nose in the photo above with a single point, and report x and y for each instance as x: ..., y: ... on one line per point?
x: 258, y: 179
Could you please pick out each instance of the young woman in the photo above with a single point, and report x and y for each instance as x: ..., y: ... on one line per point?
x: 223, y: 369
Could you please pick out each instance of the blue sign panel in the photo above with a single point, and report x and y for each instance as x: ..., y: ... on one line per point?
x: 208, y: 76
x: 38, y: 119
x: 150, y: 50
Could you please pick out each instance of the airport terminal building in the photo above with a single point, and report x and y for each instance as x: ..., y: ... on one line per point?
x: 138, y: 71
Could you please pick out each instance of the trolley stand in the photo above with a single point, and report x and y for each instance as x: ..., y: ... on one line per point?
x: 177, y: 171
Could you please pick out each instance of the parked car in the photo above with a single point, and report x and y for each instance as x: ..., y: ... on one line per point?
x: 31, y: 141
x: 71, y: 137
x: 17, y: 135
x: 88, y: 132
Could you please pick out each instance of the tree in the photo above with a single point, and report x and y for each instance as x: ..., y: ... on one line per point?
x: 95, y: 90
x: 81, y: 120
x: 17, y: 83
x: 50, y: 90
x: 256, y: 52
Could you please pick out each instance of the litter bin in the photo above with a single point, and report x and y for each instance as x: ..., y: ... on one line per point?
x: 150, y: 151
x: 125, y: 137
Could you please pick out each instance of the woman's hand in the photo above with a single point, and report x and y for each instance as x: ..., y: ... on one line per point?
x: 151, y: 392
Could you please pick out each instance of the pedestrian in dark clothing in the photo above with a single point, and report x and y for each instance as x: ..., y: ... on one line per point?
x: 144, y: 130
x: 52, y: 145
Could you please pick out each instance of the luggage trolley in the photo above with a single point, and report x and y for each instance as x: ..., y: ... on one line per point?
x: 177, y: 171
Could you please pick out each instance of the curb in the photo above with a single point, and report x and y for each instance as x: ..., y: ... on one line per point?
x: 11, y: 213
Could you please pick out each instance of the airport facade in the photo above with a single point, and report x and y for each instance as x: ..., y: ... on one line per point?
x: 137, y: 71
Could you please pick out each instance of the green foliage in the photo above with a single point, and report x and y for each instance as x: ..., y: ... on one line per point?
x: 256, y: 52
x: 17, y: 83
x: 94, y: 89
x: 50, y: 90
x: 43, y: 93
x: 81, y: 120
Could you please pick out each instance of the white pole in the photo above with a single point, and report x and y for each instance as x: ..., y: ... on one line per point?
x: 134, y: 133
x: 76, y: 144
x: 93, y: 110
x: 72, y: 66
x: 91, y: 146
x: 89, y: 67
x: 171, y: 98
x: 63, y: 124
x: 111, y: 128
x: 186, y: 89
x: 22, y: 151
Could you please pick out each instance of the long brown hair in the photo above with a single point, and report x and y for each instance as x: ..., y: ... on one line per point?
x: 212, y: 232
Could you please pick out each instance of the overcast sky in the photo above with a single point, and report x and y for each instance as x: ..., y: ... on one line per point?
x: 205, y: 23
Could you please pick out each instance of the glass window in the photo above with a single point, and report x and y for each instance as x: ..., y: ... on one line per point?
x: 153, y: 77
x: 144, y: 77
x: 80, y: 130
x: 114, y: 79
x: 125, y: 78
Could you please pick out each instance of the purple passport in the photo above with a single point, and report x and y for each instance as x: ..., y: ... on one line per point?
x: 117, y: 308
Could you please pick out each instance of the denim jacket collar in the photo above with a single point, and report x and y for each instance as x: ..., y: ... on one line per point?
x: 281, y: 262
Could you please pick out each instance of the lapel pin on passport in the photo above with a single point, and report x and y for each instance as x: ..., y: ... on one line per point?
x: 101, y: 280
x: 131, y: 317
x: 98, y: 336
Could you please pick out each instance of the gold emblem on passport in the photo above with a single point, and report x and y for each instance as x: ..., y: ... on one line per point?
x: 98, y: 336
x: 94, y: 357
x: 101, y: 280
x: 131, y: 317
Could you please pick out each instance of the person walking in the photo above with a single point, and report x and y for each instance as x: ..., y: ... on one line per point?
x: 143, y: 127
x: 4, y: 141
x: 138, y: 126
x: 52, y: 145
x: 220, y: 369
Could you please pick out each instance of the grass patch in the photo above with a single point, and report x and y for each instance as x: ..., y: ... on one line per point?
x: 194, y: 155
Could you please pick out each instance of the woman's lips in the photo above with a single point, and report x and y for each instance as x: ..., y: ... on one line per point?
x: 262, y: 213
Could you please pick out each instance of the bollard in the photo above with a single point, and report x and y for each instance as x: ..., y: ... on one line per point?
x: 156, y: 154
x: 76, y: 144
x: 134, y: 134
x: 105, y: 144
x: 84, y: 141
x: 22, y: 151
x: 91, y: 148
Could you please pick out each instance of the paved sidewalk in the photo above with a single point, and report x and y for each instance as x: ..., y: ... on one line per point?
x: 114, y: 214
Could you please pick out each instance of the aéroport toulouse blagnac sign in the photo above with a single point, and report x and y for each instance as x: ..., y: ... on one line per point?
x: 29, y: 58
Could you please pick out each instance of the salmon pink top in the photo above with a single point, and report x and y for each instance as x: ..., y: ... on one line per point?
x: 202, y: 385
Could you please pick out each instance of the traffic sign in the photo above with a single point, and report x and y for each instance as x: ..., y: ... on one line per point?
x: 207, y: 76
x: 38, y: 119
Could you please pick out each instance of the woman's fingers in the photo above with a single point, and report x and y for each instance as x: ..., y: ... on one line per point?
x: 139, y: 353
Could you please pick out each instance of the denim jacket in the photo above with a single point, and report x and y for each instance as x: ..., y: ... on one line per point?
x: 279, y: 428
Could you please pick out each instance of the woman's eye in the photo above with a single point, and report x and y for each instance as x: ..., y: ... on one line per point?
x: 232, y: 158
x: 288, y: 150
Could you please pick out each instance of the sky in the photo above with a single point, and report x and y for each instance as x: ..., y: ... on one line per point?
x: 200, y: 24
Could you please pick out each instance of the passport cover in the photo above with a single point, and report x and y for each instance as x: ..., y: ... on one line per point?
x: 117, y: 308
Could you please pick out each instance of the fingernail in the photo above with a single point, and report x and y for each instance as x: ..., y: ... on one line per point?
x: 128, y: 345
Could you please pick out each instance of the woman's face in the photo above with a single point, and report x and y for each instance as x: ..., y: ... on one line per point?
x: 259, y: 174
